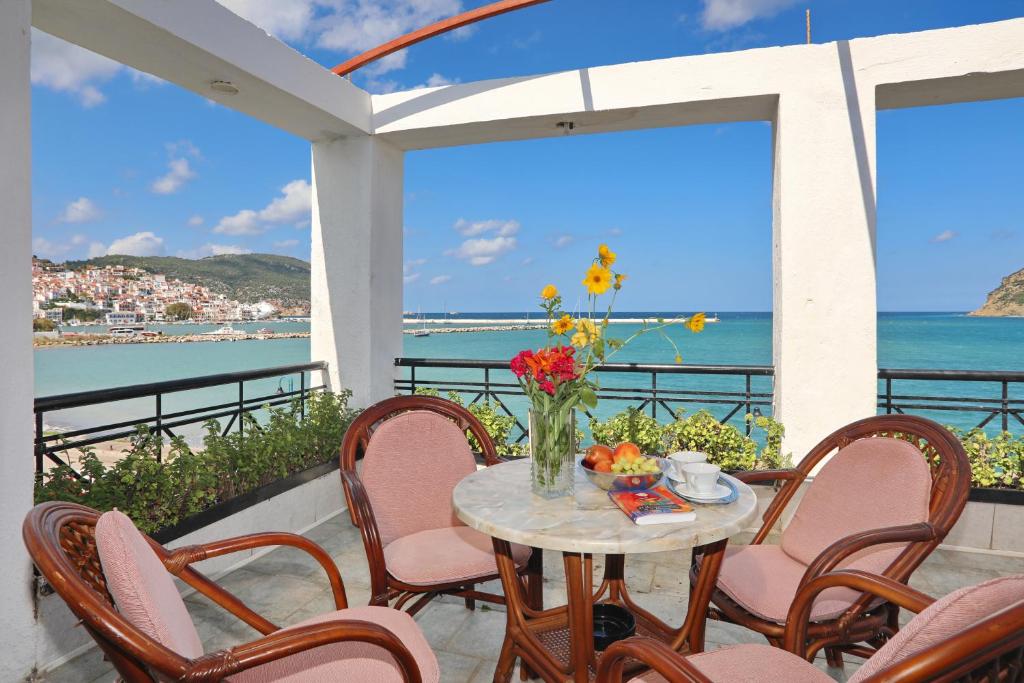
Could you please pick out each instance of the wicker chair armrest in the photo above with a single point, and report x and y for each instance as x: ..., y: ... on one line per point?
x: 761, y: 476
x: 893, y: 591
x: 177, y: 560
x: 831, y: 556
x: 367, y: 523
x: 655, y: 654
x: 217, y: 665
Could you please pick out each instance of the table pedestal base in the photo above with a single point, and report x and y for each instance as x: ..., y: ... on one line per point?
x: 558, y: 644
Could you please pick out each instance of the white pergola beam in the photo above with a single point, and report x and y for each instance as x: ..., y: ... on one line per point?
x: 194, y: 42
x: 960, y: 64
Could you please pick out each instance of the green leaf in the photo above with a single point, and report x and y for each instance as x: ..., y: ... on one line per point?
x: 588, y: 397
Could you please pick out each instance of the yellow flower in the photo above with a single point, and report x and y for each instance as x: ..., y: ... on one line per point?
x: 695, y: 323
x: 619, y: 277
x: 579, y: 340
x: 606, y: 256
x: 587, y: 327
x: 598, y: 279
x: 562, y: 325
x: 549, y: 292
x: 679, y: 359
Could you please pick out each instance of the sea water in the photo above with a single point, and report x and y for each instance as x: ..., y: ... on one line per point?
x: 905, y: 340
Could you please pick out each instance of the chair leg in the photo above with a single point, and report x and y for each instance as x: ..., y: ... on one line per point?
x: 506, y: 662
x: 470, y: 604
x: 834, y: 657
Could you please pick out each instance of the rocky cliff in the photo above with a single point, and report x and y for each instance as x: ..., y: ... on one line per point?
x: 1007, y: 298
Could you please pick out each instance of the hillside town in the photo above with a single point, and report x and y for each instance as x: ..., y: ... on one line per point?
x: 121, y: 295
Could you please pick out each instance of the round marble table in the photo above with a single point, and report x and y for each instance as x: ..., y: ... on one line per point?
x: 557, y: 643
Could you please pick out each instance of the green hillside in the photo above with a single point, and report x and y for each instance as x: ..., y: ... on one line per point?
x: 246, y: 277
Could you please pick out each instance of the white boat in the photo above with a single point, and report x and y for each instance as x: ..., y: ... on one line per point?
x: 264, y: 330
x: 121, y: 332
x: 423, y: 331
x: 713, y: 319
x: 225, y: 331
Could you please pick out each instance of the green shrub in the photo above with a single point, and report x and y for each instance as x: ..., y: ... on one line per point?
x: 995, y: 460
x: 158, y: 495
x: 725, y: 445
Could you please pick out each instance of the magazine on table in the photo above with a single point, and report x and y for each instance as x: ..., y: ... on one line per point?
x: 653, y: 506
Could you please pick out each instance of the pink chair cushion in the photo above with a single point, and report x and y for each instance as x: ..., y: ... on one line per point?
x: 411, y: 464
x: 749, y: 664
x: 764, y: 580
x: 143, y: 590
x: 350, y: 661
x: 872, y: 483
x: 445, y: 555
x: 943, y: 619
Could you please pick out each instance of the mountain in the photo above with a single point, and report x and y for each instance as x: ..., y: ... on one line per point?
x: 245, y: 277
x: 1006, y: 299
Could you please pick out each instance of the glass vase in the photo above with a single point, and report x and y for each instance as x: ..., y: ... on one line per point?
x: 553, y: 453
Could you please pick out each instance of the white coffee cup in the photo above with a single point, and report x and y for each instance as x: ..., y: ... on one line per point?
x: 680, y: 458
x: 701, y: 477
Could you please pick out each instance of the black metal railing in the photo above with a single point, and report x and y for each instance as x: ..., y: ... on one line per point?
x: 992, y: 396
x: 49, y: 444
x: 496, y: 382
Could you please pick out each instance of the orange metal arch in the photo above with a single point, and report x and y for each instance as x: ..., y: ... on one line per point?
x: 443, y: 26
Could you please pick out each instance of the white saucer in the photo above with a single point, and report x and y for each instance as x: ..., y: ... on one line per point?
x: 720, y: 491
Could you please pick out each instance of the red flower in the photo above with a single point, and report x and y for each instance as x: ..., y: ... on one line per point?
x: 518, y: 365
x: 547, y: 386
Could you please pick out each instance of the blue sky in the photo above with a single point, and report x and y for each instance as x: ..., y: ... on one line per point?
x: 127, y: 164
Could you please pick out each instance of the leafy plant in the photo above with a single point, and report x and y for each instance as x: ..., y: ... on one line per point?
x: 995, y: 460
x: 631, y: 424
x: 161, y: 494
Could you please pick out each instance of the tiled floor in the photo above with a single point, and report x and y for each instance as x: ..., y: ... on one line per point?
x: 286, y: 586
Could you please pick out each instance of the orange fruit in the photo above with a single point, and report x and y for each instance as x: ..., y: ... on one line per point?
x: 602, y: 466
x: 596, y: 453
x: 626, y: 451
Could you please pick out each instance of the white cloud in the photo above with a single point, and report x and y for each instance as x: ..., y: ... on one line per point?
x: 721, y: 15
x: 67, y: 68
x: 481, y: 251
x: 286, y: 19
x: 614, y: 232
x: 293, y: 206
x: 213, y: 250
x: 945, y: 236
x: 409, y: 273
x: 195, y: 221
x: 527, y: 261
x: 179, y: 170
x: 82, y: 210
x: 563, y: 241
x: 501, y: 227
x: 55, y: 250
x: 440, y: 279
x: 140, y: 244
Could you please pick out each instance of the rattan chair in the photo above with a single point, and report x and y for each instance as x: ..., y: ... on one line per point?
x: 973, y: 634
x: 414, y: 450
x: 892, y: 490
x: 62, y: 541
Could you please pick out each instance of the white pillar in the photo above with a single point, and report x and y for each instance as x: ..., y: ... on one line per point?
x: 16, y: 461
x: 357, y: 264
x: 824, y: 334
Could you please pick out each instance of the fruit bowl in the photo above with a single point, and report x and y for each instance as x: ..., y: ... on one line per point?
x: 610, y: 481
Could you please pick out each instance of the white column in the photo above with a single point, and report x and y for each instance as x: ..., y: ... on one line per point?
x: 16, y: 462
x: 357, y: 264
x: 824, y: 334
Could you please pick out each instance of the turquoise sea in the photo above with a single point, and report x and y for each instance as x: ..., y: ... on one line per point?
x: 906, y: 340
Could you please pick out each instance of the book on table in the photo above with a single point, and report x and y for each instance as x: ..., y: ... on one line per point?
x: 657, y: 505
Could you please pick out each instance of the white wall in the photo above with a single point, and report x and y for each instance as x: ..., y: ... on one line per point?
x: 357, y: 264
x: 16, y: 460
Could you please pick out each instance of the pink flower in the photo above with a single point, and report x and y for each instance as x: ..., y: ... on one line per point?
x: 518, y: 364
x: 547, y: 386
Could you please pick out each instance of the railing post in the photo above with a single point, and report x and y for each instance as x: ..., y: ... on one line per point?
x: 302, y: 395
x: 412, y: 379
x: 888, y: 395
x: 1006, y: 406
x: 747, y: 406
x: 39, y: 446
x: 654, y: 394
x: 241, y: 407
x: 159, y: 427
x: 487, y: 385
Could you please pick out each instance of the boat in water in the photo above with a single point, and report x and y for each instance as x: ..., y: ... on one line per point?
x: 226, y: 331
x: 264, y: 330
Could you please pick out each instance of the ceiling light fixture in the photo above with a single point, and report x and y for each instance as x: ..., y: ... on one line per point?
x: 226, y: 87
